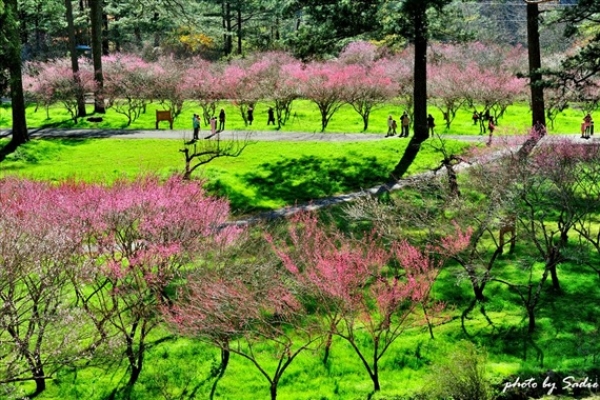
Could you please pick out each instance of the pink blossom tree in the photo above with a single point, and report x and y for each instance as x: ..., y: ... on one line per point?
x: 127, y: 82
x: 35, y: 88
x: 555, y: 177
x: 279, y: 84
x: 548, y: 194
x: 49, y: 82
x: 494, y: 73
x: 201, y: 82
x: 359, y: 53
x: 167, y: 85
x: 369, y: 86
x: 487, y: 74
x: 355, y: 288
x: 41, y: 328
x: 141, y: 234
x: 241, y: 308
x: 446, y: 89
x: 325, y: 85
x: 241, y: 83
x: 588, y: 188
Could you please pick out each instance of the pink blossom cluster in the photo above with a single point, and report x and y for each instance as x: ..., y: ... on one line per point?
x: 362, y: 75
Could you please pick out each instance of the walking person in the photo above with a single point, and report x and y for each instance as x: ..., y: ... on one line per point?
x: 222, y: 120
x: 482, y: 123
x: 405, y: 123
x: 196, y: 125
x: 390, y: 123
x: 430, y: 123
x: 589, y: 125
x: 491, y: 128
x: 250, y: 115
x: 213, y: 127
x: 270, y: 116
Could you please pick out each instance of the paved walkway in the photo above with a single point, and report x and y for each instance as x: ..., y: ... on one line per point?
x: 253, y: 135
x: 225, y: 135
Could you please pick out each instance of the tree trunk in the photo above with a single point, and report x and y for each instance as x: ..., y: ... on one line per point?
x: 554, y: 277
x: 328, y: 343
x: 96, y: 21
x: 105, y: 43
x: 20, y: 134
x: 527, y: 147
x: 452, y: 179
x: 38, y: 375
x: 554, y: 258
x: 273, y: 390
x: 135, y: 374
x: 375, y: 371
x: 421, y: 132
x: 239, y: 29
x: 478, y: 290
x: 375, y: 377
x: 531, y: 315
x: 276, y: 35
x: 225, y: 354
x: 535, y: 63
x: 227, y: 43
x: 134, y: 357
x: 40, y: 384
x: 407, y: 158
x: 420, y: 75
x: 81, y: 112
x: 365, y: 118
x: 429, y: 324
x: 187, y: 174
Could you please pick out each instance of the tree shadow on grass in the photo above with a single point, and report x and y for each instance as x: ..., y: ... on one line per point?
x: 301, y: 180
x: 37, y: 152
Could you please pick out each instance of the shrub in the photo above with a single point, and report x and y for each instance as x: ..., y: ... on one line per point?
x: 461, y: 375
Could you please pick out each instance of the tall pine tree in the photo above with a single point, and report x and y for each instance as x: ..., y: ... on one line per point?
x: 10, y: 59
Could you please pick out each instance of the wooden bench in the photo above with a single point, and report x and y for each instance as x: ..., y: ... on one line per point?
x: 164, y: 115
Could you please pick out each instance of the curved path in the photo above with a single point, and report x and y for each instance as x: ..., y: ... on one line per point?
x: 253, y: 135
x: 225, y: 135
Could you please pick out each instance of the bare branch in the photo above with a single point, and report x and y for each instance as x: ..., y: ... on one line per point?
x: 198, y: 153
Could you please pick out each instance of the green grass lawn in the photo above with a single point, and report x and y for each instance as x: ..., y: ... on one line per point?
x: 267, y: 175
x: 564, y: 343
x: 305, y: 118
